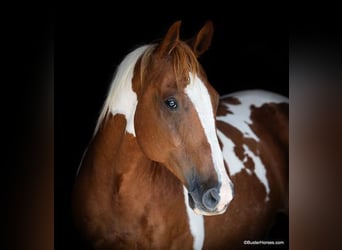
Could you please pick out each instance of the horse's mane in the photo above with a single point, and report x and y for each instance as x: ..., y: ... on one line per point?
x: 122, y: 77
x: 182, y: 59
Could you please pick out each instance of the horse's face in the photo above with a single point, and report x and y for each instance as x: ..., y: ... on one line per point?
x: 175, y: 125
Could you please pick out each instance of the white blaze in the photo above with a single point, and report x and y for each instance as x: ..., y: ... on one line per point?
x: 200, y: 98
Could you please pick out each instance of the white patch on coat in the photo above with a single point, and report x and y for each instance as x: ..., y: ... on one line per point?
x: 259, y: 170
x: 240, y: 119
x: 235, y: 165
x: 196, y: 223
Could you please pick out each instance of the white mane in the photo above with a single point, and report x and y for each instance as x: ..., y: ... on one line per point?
x: 121, y: 99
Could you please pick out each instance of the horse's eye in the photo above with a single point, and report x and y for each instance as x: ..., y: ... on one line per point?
x: 171, y: 103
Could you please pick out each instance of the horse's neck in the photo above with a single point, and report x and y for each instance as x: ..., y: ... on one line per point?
x: 115, y: 160
x: 113, y: 150
x: 117, y: 184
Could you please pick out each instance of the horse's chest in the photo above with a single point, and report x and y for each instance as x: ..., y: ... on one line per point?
x: 151, y: 224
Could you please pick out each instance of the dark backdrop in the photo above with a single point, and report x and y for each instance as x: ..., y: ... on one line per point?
x: 248, y: 51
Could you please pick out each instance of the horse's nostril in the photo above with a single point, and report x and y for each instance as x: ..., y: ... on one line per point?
x: 210, y: 199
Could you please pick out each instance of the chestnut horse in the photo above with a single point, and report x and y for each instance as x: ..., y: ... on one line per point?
x: 172, y: 165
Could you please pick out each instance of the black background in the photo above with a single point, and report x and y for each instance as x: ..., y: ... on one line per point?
x: 248, y: 51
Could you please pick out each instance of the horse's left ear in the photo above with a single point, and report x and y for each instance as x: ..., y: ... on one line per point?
x: 201, y: 42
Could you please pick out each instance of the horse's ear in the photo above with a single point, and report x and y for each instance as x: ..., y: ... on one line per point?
x: 170, y: 38
x: 201, y: 42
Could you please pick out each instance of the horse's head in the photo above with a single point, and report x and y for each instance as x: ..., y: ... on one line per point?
x: 175, y: 118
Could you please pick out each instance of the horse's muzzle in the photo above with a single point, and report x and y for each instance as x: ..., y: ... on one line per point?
x: 209, y: 202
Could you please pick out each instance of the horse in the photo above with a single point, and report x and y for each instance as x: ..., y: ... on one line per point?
x: 174, y: 165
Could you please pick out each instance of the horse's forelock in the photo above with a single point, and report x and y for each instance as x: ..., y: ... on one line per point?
x: 184, y: 61
x: 181, y: 56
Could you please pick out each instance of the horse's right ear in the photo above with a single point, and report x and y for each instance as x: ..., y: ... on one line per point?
x: 171, y: 37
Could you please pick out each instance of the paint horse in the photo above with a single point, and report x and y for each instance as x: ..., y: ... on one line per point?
x: 172, y: 165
